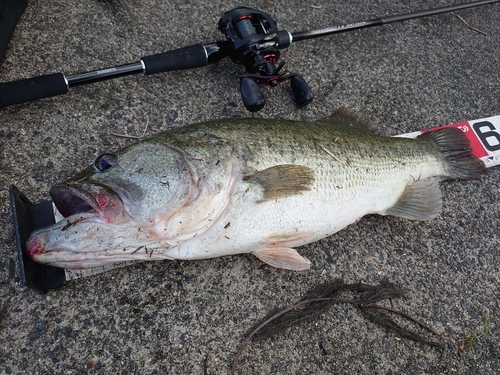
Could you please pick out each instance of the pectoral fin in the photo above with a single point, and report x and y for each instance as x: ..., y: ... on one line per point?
x: 284, y: 180
x: 283, y: 257
x: 420, y: 201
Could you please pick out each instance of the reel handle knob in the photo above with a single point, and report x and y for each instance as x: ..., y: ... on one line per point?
x: 251, y: 94
x: 301, y: 91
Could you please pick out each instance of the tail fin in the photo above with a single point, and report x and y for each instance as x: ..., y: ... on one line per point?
x: 454, y: 147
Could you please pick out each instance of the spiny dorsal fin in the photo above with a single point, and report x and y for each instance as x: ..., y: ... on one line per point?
x: 283, y: 180
x: 347, y: 118
x: 420, y: 201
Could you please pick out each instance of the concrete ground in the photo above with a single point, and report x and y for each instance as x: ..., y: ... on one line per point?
x: 190, y: 317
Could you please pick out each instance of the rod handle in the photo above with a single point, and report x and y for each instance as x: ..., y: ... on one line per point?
x: 25, y: 90
x: 183, y: 58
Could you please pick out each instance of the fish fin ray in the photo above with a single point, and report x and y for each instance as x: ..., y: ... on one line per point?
x: 283, y: 257
x: 419, y: 201
x: 283, y: 181
x: 454, y: 147
x: 345, y: 118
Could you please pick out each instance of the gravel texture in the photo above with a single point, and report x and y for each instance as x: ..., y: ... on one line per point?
x: 190, y: 317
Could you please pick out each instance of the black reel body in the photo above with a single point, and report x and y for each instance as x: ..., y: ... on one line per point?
x: 253, y: 40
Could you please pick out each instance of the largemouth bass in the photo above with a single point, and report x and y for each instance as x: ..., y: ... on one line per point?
x: 246, y: 186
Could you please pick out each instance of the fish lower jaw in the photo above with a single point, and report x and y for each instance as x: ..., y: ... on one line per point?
x: 71, y: 259
x: 83, y: 264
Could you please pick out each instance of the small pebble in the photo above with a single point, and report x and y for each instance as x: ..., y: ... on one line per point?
x: 172, y: 115
x: 40, y: 325
x: 327, y: 347
x: 33, y: 336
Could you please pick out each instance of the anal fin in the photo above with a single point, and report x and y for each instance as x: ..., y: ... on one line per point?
x: 420, y: 201
x: 283, y: 257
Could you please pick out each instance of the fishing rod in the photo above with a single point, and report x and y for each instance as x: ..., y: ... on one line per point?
x: 252, y: 40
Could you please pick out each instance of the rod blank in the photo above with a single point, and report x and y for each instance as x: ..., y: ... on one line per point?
x: 303, y: 35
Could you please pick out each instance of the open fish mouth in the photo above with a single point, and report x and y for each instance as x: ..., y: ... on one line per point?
x: 88, y: 210
x: 70, y: 200
x: 99, y: 199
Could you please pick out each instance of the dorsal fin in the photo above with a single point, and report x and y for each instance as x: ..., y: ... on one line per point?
x: 347, y: 118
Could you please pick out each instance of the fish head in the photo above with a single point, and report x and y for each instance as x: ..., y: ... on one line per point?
x: 118, y: 204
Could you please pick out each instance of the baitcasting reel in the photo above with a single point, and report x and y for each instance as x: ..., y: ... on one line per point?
x: 253, y: 40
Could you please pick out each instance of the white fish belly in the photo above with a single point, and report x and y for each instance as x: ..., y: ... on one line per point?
x: 332, y: 204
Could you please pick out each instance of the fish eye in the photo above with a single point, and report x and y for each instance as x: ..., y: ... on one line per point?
x: 104, y: 162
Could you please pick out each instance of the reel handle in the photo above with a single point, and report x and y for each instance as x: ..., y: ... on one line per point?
x: 251, y: 94
x: 301, y: 91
